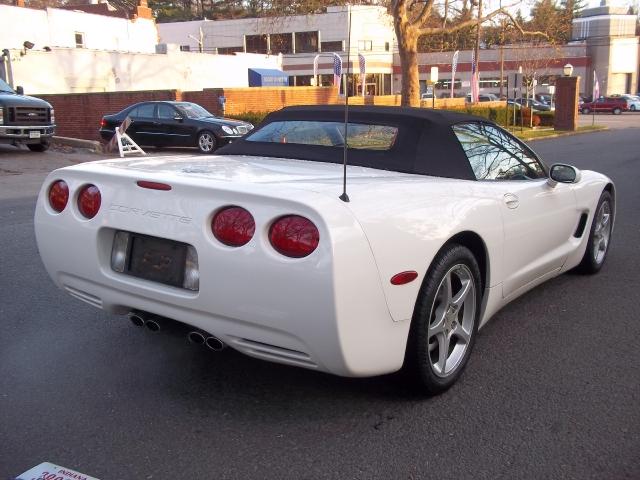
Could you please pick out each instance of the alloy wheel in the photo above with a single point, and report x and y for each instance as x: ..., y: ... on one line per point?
x: 451, y: 320
x: 602, y: 232
x: 206, y: 142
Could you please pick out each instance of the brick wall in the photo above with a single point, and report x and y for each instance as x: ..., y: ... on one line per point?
x: 78, y: 115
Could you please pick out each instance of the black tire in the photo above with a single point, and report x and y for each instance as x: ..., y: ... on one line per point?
x: 632, y: 108
x: 38, y: 147
x: 419, y: 357
x: 585, y: 110
x: 592, y: 260
x: 616, y: 111
x: 207, y: 142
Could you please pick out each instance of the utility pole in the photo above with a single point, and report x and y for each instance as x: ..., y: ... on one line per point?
x: 477, y: 46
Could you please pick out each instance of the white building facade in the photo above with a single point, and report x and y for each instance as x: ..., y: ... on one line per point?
x: 77, y: 52
x: 300, y: 39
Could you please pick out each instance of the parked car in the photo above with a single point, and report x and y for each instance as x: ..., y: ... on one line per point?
x: 261, y: 249
x: 25, y: 120
x: 529, y: 102
x: 633, y: 102
x: 545, y: 98
x: 615, y: 105
x: 175, y: 124
x: 484, y: 97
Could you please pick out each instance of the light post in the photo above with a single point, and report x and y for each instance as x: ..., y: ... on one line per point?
x: 567, y: 70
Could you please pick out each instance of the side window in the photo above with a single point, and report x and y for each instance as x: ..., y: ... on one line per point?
x: 166, y: 112
x: 143, y: 111
x: 496, y: 155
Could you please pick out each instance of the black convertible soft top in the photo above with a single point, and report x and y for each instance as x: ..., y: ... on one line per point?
x: 425, y: 143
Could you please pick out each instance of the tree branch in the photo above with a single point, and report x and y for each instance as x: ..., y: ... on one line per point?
x: 424, y: 14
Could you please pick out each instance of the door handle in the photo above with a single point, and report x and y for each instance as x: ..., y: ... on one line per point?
x: 511, y: 200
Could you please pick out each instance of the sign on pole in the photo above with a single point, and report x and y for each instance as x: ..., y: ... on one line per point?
x: 434, y: 75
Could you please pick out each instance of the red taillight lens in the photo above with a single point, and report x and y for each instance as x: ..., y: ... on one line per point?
x: 58, y: 195
x: 233, y: 226
x: 103, y: 123
x: 89, y: 200
x: 294, y: 236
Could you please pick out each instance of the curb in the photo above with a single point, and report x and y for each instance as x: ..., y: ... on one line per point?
x: 565, y: 134
x: 92, y: 145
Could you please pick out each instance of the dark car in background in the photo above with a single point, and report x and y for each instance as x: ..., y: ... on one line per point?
x: 25, y: 120
x: 530, y: 102
x: 175, y: 124
x: 615, y: 105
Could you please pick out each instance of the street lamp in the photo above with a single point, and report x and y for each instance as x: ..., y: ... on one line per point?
x: 567, y: 70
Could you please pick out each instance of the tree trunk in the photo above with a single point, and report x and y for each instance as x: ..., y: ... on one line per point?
x: 408, y: 49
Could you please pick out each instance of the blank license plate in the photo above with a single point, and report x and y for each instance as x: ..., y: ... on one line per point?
x: 33, y: 134
x: 157, y: 259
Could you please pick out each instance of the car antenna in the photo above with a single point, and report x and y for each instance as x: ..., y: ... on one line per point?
x: 344, y: 197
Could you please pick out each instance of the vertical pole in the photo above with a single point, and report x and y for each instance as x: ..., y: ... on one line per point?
x: 477, y: 48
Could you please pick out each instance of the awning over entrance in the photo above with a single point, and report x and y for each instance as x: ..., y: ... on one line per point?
x: 267, y: 77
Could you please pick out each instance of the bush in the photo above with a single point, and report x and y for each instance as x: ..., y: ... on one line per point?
x: 498, y: 115
x: 254, y: 118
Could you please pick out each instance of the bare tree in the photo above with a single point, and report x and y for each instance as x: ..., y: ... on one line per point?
x: 415, y: 18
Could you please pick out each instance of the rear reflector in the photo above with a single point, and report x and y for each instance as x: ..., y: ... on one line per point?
x: 89, y: 200
x: 58, y: 195
x: 404, y: 277
x: 294, y: 236
x: 153, y: 185
x: 233, y: 226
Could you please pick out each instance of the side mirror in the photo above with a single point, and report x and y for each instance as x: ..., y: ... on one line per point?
x: 19, y: 90
x: 561, y: 173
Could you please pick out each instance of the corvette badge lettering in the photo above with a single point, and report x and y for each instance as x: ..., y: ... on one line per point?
x: 149, y: 213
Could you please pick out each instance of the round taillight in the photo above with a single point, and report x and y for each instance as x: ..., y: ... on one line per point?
x: 58, y: 195
x: 89, y: 200
x: 294, y: 236
x: 233, y: 226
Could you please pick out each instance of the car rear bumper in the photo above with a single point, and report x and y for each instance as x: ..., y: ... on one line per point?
x: 324, y: 312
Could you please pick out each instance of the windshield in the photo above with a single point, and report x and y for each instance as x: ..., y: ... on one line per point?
x: 4, y: 87
x: 192, y: 110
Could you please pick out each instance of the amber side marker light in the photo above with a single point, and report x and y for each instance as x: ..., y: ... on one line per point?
x: 404, y: 277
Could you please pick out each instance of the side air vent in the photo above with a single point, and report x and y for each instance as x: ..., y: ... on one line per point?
x: 581, y: 225
x: 272, y: 352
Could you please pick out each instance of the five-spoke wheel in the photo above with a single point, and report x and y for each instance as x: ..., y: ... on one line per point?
x: 445, y: 320
x: 599, y: 236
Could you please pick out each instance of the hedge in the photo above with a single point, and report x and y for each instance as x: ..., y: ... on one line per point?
x: 498, y: 115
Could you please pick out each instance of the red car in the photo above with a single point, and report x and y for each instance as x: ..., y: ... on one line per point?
x: 615, y: 105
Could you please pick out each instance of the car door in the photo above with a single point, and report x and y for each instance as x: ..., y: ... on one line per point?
x: 176, y: 132
x: 143, y: 130
x: 538, y: 220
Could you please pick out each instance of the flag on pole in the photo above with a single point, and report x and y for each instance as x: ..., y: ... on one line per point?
x: 475, y: 86
x: 363, y: 70
x: 315, y: 67
x: 596, y: 87
x: 337, y: 70
x: 454, y: 67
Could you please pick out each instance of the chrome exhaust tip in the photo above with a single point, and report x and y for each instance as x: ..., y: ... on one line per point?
x: 196, y: 338
x: 214, y: 343
x: 136, y: 318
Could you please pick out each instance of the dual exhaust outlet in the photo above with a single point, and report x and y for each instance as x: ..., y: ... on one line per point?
x: 155, y: 323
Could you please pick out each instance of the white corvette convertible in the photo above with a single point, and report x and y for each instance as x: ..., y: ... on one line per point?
x: 448, y: 218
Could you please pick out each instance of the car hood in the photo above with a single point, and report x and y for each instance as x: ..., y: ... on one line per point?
x: 15, y: 100
x: 222, y: 121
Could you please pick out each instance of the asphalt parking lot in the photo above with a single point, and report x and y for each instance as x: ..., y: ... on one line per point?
x: 551, y: 391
